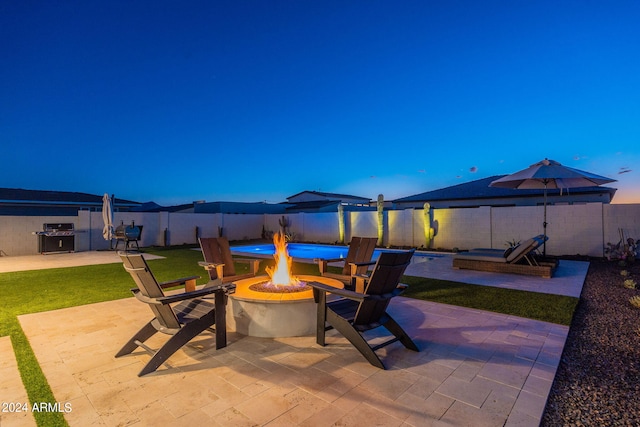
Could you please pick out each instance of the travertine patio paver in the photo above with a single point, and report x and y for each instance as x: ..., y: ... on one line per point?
x: 474, y: 368
x: 13, y: 396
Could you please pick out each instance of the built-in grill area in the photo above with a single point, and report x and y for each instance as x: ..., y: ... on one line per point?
x: 56, y: 238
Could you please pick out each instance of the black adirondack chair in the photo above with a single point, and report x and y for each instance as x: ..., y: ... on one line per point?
x: 353, y: 313
x: 191, y: 315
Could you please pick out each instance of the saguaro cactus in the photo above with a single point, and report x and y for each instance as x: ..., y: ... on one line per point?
x: 380, y: 206
x: 428, y: 229
x: 284, y: 224
x: 340, y: 223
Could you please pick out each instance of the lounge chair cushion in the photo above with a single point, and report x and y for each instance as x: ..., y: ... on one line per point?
x: 482, y: 256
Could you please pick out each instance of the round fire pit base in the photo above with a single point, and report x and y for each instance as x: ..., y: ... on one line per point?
x: 274, y: 314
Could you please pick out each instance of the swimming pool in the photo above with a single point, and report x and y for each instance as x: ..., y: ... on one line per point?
x: 310, y: 251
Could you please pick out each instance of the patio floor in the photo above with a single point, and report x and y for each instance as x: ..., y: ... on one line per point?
x: 474, y: 368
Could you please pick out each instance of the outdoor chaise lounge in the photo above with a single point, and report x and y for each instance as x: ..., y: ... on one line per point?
x: 518, y: 260
x: 220, y: 264
x: 354, y: 313
x: 183, y: 321
x: 357, y: 260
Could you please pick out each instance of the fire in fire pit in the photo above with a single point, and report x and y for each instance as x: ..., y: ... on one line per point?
x: 280, y: 277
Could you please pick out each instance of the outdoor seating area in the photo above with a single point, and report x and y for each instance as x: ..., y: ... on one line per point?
x: 473, y: 367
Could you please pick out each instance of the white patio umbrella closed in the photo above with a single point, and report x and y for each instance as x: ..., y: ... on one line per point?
x: 549, y: 174
x: 107, y: 217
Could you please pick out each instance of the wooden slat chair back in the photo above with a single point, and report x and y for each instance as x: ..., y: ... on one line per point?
x: 384, y: 279
x: 360, y: 252
x: 216, y: 250
x: 219, y: 262
x: 150, y: 288
x: 353, y: 313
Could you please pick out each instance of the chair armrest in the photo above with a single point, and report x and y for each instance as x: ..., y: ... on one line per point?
x: 209, y: 265
x: 230, y: 287
x: 324, y: 262
x: 254, y: 264
x: 177, y: 282
x: 321, y: 287
x: 362, y: 264
x: 329, y: 259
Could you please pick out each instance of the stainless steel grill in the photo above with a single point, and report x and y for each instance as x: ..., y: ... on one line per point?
x: 56, y: 238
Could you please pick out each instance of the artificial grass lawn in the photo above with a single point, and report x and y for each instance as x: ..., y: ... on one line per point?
x: 43, y: 290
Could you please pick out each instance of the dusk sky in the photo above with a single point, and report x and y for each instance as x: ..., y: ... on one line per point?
x: 176, y: 101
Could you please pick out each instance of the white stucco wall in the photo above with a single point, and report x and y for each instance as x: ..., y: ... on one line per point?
x: 572, y: 229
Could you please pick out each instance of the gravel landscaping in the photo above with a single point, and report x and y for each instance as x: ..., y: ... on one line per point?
x: 598, y: 380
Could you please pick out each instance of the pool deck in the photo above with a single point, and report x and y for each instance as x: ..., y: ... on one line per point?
x: 474, y: 368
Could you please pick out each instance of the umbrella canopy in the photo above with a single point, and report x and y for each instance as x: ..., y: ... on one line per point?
x: 549, y: 174
x: 107, y: 217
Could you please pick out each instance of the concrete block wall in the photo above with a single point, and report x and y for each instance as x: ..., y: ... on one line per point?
x: 16, y: 232
x: 621, y: 217
x: 572, y: 229
x: 400, y: 226
x: 515, y: 224
x: 361, y: 224
x: 462, y: 228
x: 320, y: 227
x: 240, y: 226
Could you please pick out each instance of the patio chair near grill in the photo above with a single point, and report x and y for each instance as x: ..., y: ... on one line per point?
x: 354, y: 313
x: 190, y: 316
x: 220, y: 264
x: 356, y: 263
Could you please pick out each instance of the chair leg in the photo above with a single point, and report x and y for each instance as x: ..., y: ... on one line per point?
x: 355, y: 338
x: 186, y: 334
x: 142, y: 335
x: 393, y: 327
x: 321, y: 317
x: 220, y: 305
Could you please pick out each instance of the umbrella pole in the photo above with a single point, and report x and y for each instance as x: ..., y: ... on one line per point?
x: 544, y: 223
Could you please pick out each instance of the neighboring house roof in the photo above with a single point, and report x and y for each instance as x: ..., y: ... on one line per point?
x: 479, y: 189
x: 18, y: 201
x: 47, y: 196
x: 324, y: 206
x: 154, y: 207
x: 313, y: 206
x: 238, y: 207
x: 330, y: 196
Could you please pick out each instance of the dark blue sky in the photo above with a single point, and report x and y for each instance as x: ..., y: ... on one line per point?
x: 174, y: 101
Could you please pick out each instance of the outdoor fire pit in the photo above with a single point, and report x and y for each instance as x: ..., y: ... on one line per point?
x: 277, y: 305
x: 274, y: 314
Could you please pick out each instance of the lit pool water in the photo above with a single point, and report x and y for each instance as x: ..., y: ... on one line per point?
x: 311, y: 251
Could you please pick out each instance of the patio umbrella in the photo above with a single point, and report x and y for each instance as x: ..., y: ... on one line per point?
x: 549, y: 174
x: 107, y: 217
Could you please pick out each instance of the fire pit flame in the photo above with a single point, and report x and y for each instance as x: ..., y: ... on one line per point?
x: 280, y: 277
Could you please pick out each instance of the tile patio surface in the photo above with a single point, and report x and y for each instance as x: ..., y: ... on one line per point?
x: 474, y: 368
